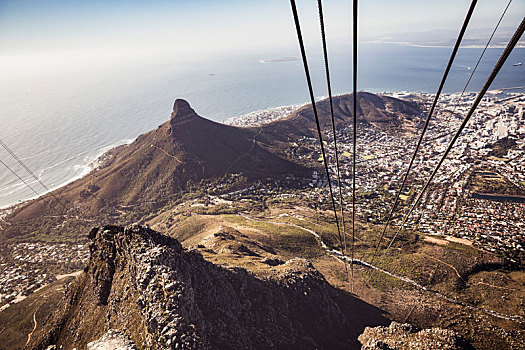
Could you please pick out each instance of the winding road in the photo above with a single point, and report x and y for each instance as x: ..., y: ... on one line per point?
x: 166, y: 153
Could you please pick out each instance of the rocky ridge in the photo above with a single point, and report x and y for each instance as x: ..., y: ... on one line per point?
x: 182, y: 113
x: 399, y: 336
x: 163, y: 296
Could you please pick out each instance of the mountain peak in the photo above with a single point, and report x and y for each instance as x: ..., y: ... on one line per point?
x: 182, y: 112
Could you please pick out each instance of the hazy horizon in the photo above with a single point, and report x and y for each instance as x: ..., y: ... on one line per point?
x: 36, y: 35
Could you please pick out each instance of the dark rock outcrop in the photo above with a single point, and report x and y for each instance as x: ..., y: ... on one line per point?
x: 163, y: 296
x: 406, y: 337
x: 182, y: 113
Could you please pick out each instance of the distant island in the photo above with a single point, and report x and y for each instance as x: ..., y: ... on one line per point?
x: 446, y: 38
x: 280, y: 60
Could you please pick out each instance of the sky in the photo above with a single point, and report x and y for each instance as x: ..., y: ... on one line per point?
x: 89, y: 31
x: 66, y: 59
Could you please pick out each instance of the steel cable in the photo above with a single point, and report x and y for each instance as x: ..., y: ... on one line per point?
x: 314, y: 108
x: 436, y: 98
x: 510, y: 46
x: 336, y: 153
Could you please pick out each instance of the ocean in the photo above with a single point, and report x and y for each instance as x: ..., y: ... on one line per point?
x: 59, y: 121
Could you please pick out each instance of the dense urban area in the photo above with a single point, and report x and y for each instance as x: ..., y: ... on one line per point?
x: 479, y: 192
x: 26, y: 267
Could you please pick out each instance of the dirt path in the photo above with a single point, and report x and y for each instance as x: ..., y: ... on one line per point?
x: 493, y: 286
x: 444, y: 263
x: 457, y: 273
x: 72, y: 274
x: 316, y: 235
x: 166, y: 153
x: 436, y: 240
x: 34, y: 327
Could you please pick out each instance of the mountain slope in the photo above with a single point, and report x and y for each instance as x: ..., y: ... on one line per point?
x: 163, y: 296
x: 165, y: 161
x: 372, y: 111
x: 137, y: 179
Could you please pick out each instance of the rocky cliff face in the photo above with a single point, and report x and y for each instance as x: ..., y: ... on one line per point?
x: 162, y: 296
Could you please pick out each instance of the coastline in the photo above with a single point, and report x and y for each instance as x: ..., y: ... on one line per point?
x: 87, y: 168
x: 265, y: 116
x: 407, y: 43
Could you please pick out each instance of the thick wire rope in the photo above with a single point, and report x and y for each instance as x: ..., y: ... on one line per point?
x: 510, y: 46
x: 354, y: 134
x: 26, y: 184
x: 20, y: 178
x: 473, y: 71
x: 13, y: 154
x: 316, y: 116
x: 480, y: 57
x: 429, y: 117
x: 336, y: 152
x: 453, y: 219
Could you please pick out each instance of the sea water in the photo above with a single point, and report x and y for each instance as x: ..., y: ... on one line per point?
x: 59, y: 121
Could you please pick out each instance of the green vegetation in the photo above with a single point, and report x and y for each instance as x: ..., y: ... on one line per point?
x: 189, y: 227
x: 502, y: 146
x: 489, y: 181
x: 298, y: 242
x: 385, y: 283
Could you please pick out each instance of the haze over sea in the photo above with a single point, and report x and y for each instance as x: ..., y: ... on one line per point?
x: 60, y: 121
